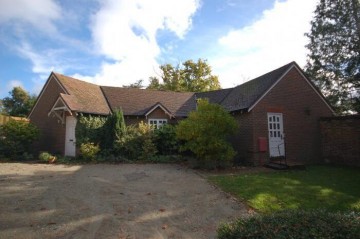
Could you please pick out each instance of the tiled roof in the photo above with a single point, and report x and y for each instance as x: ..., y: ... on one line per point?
x: 245, y: 95
x: 134, y: 101
x: 90, y: 98
x: 83, y: 96
x: 216, y: 96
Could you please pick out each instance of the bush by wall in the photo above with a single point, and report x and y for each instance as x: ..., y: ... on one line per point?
x: 205, y: 133
x: 89, y: 150
x: 138, y: 143
x: 166, y: 141
x: 89, y: 129
x: 294, y: 224
x: 16, y: 138
x: 113, y: 130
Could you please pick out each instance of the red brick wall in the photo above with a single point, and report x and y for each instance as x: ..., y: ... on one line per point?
x: 52, y: 137
x: 301, y: 107
x: 340, y: 140
x: 242, y: 141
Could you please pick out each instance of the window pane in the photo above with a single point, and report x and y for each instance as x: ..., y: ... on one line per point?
x: 270, y: 119
x: 270, y: 126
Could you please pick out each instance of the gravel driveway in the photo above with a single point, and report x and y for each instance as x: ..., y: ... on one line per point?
x: 110, y: 201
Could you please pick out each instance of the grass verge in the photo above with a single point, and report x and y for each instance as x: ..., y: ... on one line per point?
x: 317, y: 187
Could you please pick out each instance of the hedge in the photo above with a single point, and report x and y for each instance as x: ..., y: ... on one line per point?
x: 294, y: 224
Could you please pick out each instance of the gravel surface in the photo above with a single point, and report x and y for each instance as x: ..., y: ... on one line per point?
x: 110, y: 201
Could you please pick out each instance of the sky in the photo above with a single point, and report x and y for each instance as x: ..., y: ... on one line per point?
x: 118, y: 42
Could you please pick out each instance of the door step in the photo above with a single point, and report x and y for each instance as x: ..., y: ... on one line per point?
x: 277, y: 166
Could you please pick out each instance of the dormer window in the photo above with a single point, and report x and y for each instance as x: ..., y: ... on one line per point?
x: 157, y: 123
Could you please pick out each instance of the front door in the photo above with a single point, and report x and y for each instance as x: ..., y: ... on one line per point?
x: 276, y: 135
x: 70, y: 147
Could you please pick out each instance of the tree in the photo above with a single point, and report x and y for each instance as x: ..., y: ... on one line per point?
x: 138, y: 84
x: 190, y: 76
x: 2, y: 110
x: 334, y: 59
x: 205, y: 133
x: 19, y: 103
x: 114, y: 130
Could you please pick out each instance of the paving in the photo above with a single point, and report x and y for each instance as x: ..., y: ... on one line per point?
x: 110, y: 201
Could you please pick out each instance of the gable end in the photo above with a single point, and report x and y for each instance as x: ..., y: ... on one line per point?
x: 304, y: 77
x: 163, y: 108
x: 51, y: 77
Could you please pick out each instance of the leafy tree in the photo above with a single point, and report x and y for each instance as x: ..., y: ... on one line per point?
x: 19, y: 103
x: 334, y: 58
x: 205, y: 133
x: 16, y: 137
x: 2, y: 110
x: 190, y: 76
x: 138, y: 84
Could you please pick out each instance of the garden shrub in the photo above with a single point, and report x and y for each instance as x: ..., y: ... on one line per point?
x: 294, y: 224
x: 47, y: 157
x: 164, y: 159
x: 138, y: 143
x: 205, y: 133
x: 89, y: 151
x: 16, y: 138
x: 147, y: 141
x: 165, y: 140
x: 114, y: 130
x: 89, y: 129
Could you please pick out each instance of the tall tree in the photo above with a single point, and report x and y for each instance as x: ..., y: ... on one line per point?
x: 189, y: 76
x: 334, y: 59
x: 19, y: 103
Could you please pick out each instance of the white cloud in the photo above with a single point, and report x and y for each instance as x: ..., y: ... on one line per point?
x: 10, y: 85
x: 125, y: 33
x: 44, y: 62
x: 39, y: 13
x: 275, y: 39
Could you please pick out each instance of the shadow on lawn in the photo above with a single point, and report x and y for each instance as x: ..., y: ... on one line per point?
x: 331, y: 188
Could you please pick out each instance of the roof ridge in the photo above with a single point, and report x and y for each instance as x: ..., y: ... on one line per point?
x: 73, y: 78
x: 286, y: 67
x: 152, y: 90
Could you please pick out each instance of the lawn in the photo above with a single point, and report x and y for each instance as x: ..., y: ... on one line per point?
x: 331, y: 188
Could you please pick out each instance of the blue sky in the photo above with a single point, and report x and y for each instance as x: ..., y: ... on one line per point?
x: 117, y: 42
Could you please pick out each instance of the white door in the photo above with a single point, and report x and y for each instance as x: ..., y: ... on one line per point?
x: 276, y: 134
x: 70, y: 147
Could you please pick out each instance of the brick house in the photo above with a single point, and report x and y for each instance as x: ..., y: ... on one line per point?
x: 281, y: 102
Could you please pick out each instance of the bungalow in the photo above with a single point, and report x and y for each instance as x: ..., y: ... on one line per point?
x: 278, y: 113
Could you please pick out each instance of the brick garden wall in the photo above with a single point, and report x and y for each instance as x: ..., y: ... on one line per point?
x: 340, y: 140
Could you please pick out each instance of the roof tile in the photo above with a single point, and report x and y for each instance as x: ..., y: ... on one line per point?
x: 83, y: 96
x: 134, y: 101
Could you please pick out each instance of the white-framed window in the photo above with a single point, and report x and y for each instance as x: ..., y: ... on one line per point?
x: 157, y: 123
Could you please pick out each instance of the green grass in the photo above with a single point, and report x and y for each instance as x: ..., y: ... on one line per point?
x: 317, y: 187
